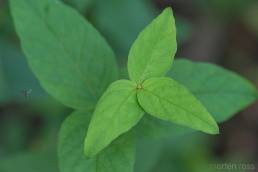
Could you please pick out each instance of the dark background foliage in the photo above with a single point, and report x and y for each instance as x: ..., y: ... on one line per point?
x: 224, y: 32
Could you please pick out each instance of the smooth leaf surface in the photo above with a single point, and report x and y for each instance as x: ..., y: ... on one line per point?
x: 152, y: 128
x: 153, y: 51
x: 222, y: 104
x: 222, y: 92
x: 81, y: 5
x: 168, y: 100
x: 119, y: 156
x: 73, y: 64
x: 116, y: 112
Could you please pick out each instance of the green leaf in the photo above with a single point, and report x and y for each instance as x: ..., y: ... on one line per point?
x: 116, y: 158
x: 3, y: 86
x: 221, y: 104
x: 221, y: 91
x: 117, y: 112
x: 153, y: 51
x: 151, y: 128
x: 81, y: 5
x: 69, y: 57
x: 166, y: 99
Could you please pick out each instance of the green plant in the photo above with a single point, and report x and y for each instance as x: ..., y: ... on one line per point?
x: 75, y: 65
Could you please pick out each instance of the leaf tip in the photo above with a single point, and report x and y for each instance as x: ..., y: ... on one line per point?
x: 168, y: 10
x: 87, y: 153
x: 214, y: 130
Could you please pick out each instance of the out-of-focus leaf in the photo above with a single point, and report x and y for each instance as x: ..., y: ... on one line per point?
x: 189, y: 153
x: 154, y: 128
x: 3, y: 84
x: 30, y: 162
x: 222, y: 92
x: 70, y: 58
x: 118, y: 157
x: 176, y: 146
x: 123, y: 73
x: 122, y: 20
x: 147, y: 154
x: 81, y: 5
x: 6, y: 24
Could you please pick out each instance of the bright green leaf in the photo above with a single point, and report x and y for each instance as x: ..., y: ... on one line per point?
x: 69, y: 57
x: 117, y: 112
x: 222, y: 92
x: 119, y: 156
x: 153, y: 51
x: 166, y: 99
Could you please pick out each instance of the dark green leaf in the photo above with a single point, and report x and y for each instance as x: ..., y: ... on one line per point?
x: 3, y: 84
x: 81, y: 5
x: 30, y: 162
x: 154, y: 128
x: 222, y: 92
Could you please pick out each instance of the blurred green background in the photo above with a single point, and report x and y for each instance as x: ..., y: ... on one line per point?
x: 224, y: 32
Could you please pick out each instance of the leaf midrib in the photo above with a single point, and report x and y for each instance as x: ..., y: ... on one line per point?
x: 160, y: 98
x: 146, y: 66
x: 68, y: 54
